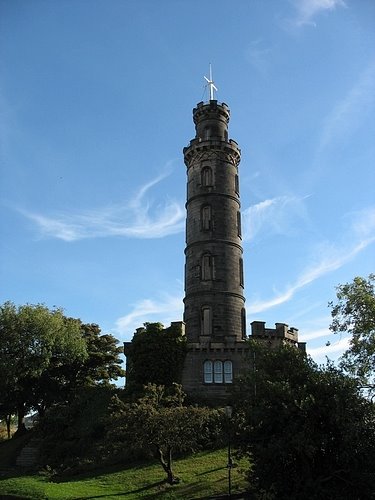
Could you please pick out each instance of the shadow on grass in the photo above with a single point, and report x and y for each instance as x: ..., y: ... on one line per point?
x: 189, y: 491
x: 79, y: 475
x: 194, y: 492
x: 124, y: 493
x: 210, y: 471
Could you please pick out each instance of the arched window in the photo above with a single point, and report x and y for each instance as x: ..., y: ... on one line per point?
x: 228, y: 372
x: 218, y: 372
x: 207, y: 372
x: 197, y: 272
x: 206, y: 321
x: 206, y: 217
x: 239, y: 229
x: 243, y: 323
x: 208, y: 267
x: 206, y: 176
x: 241, y: 272
x: 236, y: 184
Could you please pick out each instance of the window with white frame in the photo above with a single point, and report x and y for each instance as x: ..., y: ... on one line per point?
x: 207, y: 372
x: 217, y: 372
x: 228, y: 372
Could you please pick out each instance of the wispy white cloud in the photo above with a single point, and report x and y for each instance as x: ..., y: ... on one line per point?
x: 333, y: 349
x: 328, y: 258
x: 309, y: 311
x: 349, y: 112
x: 257, y: 55
x: 138, y: 218
x: 164, y: 310
x: 321, y: 342
x: 307, y: 10
x: 275, y: 215
x: 315, y: 334
x: 363, y: 222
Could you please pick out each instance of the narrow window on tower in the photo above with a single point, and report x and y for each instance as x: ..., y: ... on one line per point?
x: 206, y: 321
x: 236, y: 184
x: 218, y: 372
x: 239, y: 229
x: 241, y: 272
x: 206, y: 175
x: 197, y: 271
x: 206, y: 218
x: 208, y: 267
x: 207, y: 372
x: 228, y: 372
x: 243, y: 323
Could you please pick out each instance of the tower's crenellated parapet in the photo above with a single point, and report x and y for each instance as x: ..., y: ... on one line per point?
x: 281, y: 334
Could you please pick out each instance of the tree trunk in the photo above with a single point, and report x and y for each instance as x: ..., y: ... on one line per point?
x: 8, y: 419
x: 167, y: 464
x: 21, y: 428
x: 172, y: 479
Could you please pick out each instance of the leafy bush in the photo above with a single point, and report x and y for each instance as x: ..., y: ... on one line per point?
x: 72, y: 432
x: 307, y: 429
x: 159, y: 424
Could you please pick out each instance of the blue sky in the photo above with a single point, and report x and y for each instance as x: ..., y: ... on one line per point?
x: 96, y: 106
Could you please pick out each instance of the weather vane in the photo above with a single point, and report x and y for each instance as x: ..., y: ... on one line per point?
x: 211, y: 85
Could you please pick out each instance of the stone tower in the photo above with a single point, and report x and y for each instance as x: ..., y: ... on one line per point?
x: 214, y: 301
x: 214, y: 315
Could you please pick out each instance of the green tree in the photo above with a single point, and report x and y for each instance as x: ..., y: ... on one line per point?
x: 64, y: 375
x: 73, y: 430
x: 307, y: 430
x: 354, y: 314
x: 31, y: 338
x: 160, y: 423
x: 103, y: 362
x: 155, y: 355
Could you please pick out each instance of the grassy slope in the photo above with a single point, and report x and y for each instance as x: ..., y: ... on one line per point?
x: 201, y: 475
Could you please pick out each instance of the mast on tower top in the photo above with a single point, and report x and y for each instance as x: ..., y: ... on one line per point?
x: 211, y: 85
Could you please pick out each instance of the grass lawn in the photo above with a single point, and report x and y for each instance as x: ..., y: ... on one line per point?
x: 202, y: 475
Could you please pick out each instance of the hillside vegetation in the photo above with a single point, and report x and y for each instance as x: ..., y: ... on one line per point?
x: 202, y: 475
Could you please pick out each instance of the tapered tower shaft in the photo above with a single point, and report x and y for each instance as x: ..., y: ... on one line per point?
x: 214, y: 281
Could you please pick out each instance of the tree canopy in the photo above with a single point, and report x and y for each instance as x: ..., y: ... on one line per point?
x: 72, y: 430
x: 159, y: 422
x: 307, y: 430
x: 31, y: 338
x: 44, y: 356
x: 103, y: 362
x: 155, y: 355
x: 354, y: 314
